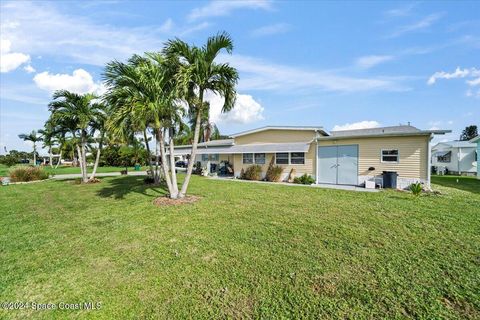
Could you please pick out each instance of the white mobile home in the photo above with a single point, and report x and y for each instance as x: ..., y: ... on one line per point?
x: 458, y: 157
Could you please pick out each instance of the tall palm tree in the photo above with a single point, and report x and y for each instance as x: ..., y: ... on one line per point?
x: 33, y: 137
x: 197, y: 74
x: 79, y: 113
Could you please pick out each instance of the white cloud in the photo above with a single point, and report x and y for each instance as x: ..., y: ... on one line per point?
x: 257, y: 74
x: 41, y: 29
x: 246, y: 109
x: 223, y: 8
x: 10, y: 61
x: 271, y: 30
x: 357, y: 125
x: 422, y: 24
x: 29, y: 68
x: 460, y: 73
x: 79, y: 82
x: 367, y: 62
x: 402, y: 11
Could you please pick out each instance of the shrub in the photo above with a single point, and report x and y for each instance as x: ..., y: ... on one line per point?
x: 304, y: 179
x: 254, y: 172
x: 27, y: 173
x: 8, y: 160
x: 274, y: 172
x: 416, y: 188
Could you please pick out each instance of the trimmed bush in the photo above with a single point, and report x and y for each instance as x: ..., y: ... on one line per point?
x: 27, y: 173
x: 274, y: 172
x: 254, y: 172
x: 304, y: 179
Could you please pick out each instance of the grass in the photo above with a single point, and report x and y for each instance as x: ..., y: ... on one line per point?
x: 69, y: 170
x: 245, y: 250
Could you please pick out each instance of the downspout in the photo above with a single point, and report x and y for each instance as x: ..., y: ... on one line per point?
x: 429, y: 161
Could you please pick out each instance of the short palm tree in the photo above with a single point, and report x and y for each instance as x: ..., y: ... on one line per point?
x: 79, y: 113
x: 141, y: 96
x: 197, y: 74
x: 33, y: 137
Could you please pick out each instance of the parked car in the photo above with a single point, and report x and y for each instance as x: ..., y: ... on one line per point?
x: 181, y: 164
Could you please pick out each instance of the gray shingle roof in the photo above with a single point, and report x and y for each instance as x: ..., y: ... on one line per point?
x: 375, y: 131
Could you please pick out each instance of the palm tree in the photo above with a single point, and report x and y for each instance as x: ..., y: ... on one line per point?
x: 34, y: 137
x: 141, y: 94
x: 48, y: 136
x: 78, y: 113
x: 197, y: 74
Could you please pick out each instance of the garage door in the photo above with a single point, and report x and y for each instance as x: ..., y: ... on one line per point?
x: 338, y: 164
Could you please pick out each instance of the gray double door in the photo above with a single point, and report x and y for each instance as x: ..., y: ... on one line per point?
x: 338, y: 164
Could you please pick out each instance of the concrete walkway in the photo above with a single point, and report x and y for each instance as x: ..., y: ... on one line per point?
x: 105, y: 174
x: 325, y: 186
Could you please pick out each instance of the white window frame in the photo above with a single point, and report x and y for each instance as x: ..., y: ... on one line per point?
x: 253, y: 158
x: 389, y: 155
x: 289, y: 163
x: 288, y: 159
x: 296, y: 164
x: 264, y: 158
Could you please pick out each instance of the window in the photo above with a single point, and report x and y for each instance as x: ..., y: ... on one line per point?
x: 260, y: 158
x: 390, y: 155
x: 210, y: 157
x: 297, y: 158
x: 444, y: 157
x: 248, y: 158
x: 281, y: 158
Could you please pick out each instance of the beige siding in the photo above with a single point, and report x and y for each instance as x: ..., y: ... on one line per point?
x: 413, y: 155
x: 308, y: 167
x: 276, y: 136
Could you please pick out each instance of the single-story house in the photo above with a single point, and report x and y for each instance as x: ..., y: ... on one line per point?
x: 476, y: 140
x: 338, y: 157
x: 458, y: 157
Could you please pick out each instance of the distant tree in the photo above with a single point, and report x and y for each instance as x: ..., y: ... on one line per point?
x: 469, y: 133
x: 34, y: 137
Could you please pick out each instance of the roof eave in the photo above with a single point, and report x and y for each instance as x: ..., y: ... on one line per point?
x: 293, y: 128
x: 398, y: 134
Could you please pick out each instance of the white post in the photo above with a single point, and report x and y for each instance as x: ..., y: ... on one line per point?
x: 429, y: 161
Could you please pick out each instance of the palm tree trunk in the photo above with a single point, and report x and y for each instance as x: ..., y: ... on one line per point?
x: 157, y: 158
x: 97, y: 158
x: 84, y: 159
x: 160, y: 138
x: 34, y: 154
x: 50, y: 155
x: 172, y: 161
x: 193, y: 154
x: 59, y: 159
x: 148, y: 151
x: 79, y: 156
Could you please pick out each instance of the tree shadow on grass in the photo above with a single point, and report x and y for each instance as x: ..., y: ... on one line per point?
x: 118, y: 188
x: 470, y: 184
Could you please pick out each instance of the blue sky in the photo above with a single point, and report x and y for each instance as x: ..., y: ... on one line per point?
x: 334, y: 64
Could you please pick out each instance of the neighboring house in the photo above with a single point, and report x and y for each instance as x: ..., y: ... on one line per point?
x: 458, y: 157
x: 340, y: 157
x: 477, y: 141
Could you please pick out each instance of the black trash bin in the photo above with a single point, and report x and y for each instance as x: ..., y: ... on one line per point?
x: 390, y: 179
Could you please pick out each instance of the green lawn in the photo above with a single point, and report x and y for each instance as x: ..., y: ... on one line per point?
x: 245, y: 250
x: 68, y: 169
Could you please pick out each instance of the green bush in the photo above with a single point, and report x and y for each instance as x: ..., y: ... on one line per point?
x: 416, y: 188
x: 27, y: 173
x: 254, y: 172
x: 274, y: 172
x: 304, y: 179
